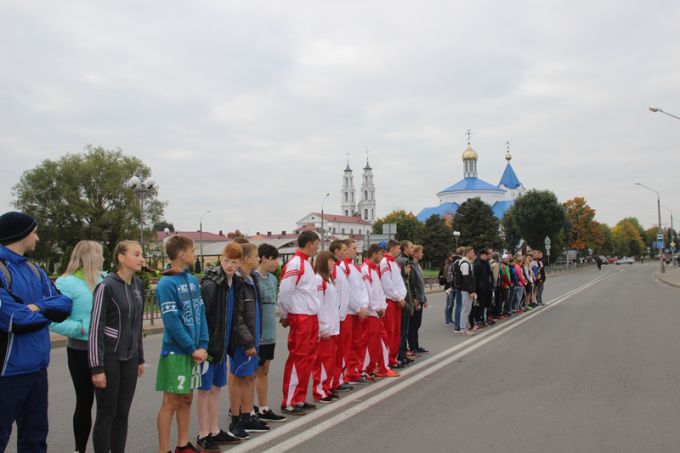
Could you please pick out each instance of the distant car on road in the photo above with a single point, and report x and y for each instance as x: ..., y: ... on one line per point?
x: 625, y: 260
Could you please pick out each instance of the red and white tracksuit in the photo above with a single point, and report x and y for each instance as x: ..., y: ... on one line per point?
x: 329, y: 327
x: 355, y: 346
x: 344, y: 339
x: 299, y: 304
x: 376, y: 359
x: 395, y: 290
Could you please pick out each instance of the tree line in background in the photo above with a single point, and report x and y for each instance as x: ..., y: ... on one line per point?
x: 533, y: 217
x: 86, y: 196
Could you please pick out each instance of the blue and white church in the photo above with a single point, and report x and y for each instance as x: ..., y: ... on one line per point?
x: 500, y: 196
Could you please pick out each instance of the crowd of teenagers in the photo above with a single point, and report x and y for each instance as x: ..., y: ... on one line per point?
x: 485, y: 286
x: 348, y: 325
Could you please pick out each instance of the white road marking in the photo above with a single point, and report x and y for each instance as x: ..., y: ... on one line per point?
x: 437, y: 361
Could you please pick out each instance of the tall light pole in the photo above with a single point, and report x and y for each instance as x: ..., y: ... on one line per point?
x: 200, y: 229
x: 662, y: 269
x: 547, y: 248
x: 456, y: 234
x: 655, y: 109
x: 322, y: 230
x: 671, y: 244
x: 142, y: 189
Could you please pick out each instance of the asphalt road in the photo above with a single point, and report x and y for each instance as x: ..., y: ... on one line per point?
x: 597, y: 370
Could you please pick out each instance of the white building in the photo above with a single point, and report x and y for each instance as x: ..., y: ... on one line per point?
x: 366, y: 208
x: 500, y: 196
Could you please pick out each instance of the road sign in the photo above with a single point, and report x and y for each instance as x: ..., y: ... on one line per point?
x: 659, y: 237
x: 659, y: 245
x: 389, y: 229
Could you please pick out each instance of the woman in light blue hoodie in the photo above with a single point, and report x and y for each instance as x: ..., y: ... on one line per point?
x: 83, y: 273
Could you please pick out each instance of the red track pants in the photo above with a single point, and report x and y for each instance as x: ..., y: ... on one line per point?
x: 342, y: 349
x: 377, y: 351
x: 303, y: 338
x: 322, y: 374
x: 358, y: 348
x: 392, y: 321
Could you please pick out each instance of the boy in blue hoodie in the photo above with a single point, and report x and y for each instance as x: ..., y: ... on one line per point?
x: 28, y: 304
x: 185, y: 339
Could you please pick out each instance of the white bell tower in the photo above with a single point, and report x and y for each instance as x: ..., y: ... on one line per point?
x: 367, y: 203
x: 348, y: 202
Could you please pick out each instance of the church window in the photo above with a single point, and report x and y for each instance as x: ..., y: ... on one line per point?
x: 371, y: 213
x: 365, y: 214
x: 346, y: 212
x: 346, y: 196
x: 343, y: 231
x: 351, y: 231
x: 365, y: 194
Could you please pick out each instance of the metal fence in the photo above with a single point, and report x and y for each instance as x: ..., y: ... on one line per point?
x: 151, y: 311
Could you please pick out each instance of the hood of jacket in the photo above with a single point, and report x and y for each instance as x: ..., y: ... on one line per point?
x: 215, y: 274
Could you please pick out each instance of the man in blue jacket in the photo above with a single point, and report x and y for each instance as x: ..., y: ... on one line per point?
x: 28, y: 303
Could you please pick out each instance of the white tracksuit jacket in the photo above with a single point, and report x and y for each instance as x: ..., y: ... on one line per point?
x: 358, y: 296
x: 329, y: 303
x: 390, y: 277
x: 376, y: 296
x: 297, y: 290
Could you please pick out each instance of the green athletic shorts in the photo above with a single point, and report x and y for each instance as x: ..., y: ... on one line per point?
x: 177, y: 373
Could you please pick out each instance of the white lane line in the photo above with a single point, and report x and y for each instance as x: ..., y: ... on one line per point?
x: 437, y: 361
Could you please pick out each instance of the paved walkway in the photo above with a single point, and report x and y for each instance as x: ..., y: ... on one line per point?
x: 670, y: 277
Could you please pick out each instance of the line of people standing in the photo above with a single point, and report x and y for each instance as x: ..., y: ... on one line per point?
x: 483, y: 286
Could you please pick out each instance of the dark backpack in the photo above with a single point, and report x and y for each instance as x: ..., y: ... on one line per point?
x: 442, y: 274
x: 457, y: 274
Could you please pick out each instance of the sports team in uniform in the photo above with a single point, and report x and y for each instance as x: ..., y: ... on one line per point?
x: 348, y: 325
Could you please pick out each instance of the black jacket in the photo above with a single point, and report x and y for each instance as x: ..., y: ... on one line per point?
x: 483, y: 280
x: 214, y: 292
x: 116, y: 323
x: 247, y: 307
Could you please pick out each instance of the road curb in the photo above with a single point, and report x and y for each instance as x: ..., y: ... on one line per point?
x: 664, y: 280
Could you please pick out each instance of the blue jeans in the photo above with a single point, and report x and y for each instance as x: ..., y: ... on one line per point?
x: 23, y: 400
x: 448, y: 308
x: 459, y: 308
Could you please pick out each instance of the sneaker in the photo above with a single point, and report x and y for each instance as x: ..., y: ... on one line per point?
x: 188, y: 448
x: 205, y: 444
x: 423, y: 350
x: 369, y: 377
x: 388, y: 373
x: 252, y: 424
x: 308, y: 406
x: 293, y: 410
x: 325, y: 400
x: 224, y: 438
x: 344, y: 388
x: 457, y: 332
x: 270, y: 416
x: 236, y: 430
x: 334, y: 396
x: 408, y: 361
x: 358, y: 381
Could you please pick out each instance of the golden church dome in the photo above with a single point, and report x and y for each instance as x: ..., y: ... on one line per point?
x: 470, y: 154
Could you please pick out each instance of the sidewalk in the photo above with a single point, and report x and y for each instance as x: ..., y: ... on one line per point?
x: 670, y: 277
x: 59, y: 341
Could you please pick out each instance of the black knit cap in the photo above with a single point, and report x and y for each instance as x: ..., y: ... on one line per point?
x: 14, y: 226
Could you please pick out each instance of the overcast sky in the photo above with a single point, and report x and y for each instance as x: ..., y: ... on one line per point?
x: 248, y: 108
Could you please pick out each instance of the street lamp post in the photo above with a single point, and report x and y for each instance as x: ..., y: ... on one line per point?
x: 547, y: 248
x: 672, y: 241
x: 322, y: 230
x: 456, y: 234
x: 200, y: 229
x: 655, y: 109
x: 662, y: 268
x: 142, y: 189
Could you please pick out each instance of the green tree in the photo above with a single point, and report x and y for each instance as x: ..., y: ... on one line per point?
x: 477, y: 224
x: 408, y: 226
x: 532, y: 217
x: 84, y: 196
x: 607, y: 247
x: 585, y: 232
x: 162, y: 225
x: 438, y: 241
x: 628, y: 237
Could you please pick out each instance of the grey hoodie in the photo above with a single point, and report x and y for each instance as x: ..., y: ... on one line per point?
x: 116, y: 323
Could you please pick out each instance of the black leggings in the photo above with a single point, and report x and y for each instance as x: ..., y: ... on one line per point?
x: 82, y: 382
x: 113, y: 405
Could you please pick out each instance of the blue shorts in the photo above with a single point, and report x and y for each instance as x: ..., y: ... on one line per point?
x: 214, y: 375
x: 241, y: 365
